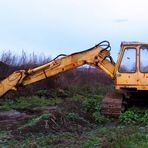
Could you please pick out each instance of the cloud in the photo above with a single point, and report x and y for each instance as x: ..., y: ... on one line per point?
x: 120, y: 20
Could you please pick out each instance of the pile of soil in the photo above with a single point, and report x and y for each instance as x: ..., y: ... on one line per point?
x: 58, y: 120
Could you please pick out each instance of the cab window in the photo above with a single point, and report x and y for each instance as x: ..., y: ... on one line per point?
x: 144, y: 59
x: 128, y: 63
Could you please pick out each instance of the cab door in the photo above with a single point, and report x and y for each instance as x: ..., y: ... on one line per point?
x: 126, y: 73
x: 143, y: 67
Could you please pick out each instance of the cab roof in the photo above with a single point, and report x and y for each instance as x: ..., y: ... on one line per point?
x: 133, y: 43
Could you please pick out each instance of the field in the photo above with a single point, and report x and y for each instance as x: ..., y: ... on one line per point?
x: 69, y: 118
x: 64, y: 111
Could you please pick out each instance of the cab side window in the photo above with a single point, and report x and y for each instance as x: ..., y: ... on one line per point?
x: 128, y: 63
x: 144, y: 59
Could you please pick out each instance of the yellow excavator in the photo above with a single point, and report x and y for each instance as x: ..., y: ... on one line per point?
x: 130, y: 72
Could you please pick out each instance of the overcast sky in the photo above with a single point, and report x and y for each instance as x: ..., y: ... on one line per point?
x: 52, y: 27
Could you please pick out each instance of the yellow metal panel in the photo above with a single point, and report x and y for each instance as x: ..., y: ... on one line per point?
x: 135, y: 80
x: 95, y: 56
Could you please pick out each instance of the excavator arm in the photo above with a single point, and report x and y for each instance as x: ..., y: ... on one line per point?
x: 96, y: 56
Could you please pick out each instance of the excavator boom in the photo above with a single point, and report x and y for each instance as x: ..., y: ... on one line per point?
x: 95, y: 56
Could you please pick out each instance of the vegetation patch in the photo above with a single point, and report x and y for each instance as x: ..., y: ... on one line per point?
x: 90, y: 143
x: 134, y: 116
x: 36, y: 120
x: 28, y: 102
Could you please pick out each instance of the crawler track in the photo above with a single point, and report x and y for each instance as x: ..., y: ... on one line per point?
x: 112, y: 105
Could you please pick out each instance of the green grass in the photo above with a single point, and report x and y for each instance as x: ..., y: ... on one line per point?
x: 93, y: 142
x: 117, y: 137
x: 129, y: 131
x: 28, y: 102
x: 36, y: 120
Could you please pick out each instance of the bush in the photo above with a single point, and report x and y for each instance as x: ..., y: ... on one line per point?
x: 134, y: 116
x: 129, y: 117
x: 92, y: 104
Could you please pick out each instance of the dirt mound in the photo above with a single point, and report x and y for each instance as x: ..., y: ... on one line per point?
x: 54, y: 121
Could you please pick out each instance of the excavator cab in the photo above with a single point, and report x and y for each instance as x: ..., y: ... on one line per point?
x: 131, y: 79
x: 132, y: 66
